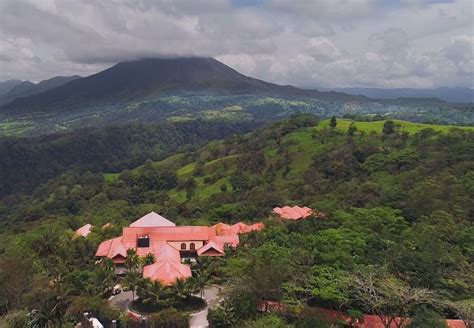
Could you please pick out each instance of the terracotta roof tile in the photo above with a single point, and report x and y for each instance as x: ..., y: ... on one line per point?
x: 210, y: 246
x: 152, y: 219
x: 293, y: 213
x: 84, y: 230
x: 230, y: 240
x: 166, y: 272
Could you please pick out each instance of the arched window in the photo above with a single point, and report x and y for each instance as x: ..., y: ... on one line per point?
x: 192, y: 246
x: 183, y: 246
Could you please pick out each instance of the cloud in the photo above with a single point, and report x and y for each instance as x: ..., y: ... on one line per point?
x: 303, y: 42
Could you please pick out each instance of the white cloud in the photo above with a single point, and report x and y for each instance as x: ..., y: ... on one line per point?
x: 303, y: 42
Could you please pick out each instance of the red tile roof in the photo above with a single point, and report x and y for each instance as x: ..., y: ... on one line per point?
x: 166, y: 272
x: 230, y: 240
x: 152, y: 220
x: 168, y: 253
x: 367, y: 320
x: 111, y: 248
x: 167, y: 267
x: 182, y: 233
x: 84, y: 230
x: 293, y: 213
x: 211, y: 246
x: 223, y: 229
x: 246, y: 228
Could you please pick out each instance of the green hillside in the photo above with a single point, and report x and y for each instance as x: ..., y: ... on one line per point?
x: 377, y: 126
x: 398, y: 215
x: 300, y: 146
x: 174, y: 90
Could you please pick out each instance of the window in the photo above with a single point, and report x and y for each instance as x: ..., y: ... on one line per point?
x: 143, y: 241
x: 183, y: 246
x: 192, y: 246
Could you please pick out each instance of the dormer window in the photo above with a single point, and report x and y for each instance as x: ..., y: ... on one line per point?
x: 192, y: 246
x: 183, y: 246
x: 143, y: 241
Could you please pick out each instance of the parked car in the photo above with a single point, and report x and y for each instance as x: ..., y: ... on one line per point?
x: 117, y: 289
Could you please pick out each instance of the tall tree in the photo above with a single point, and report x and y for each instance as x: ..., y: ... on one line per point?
x: 391, y: 299
x: 132, y: 261
x: 333, y: 122
x: 131, y: 281
x: 388, y: 128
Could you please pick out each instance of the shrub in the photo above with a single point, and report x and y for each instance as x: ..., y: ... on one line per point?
x: 169, y: 318
x: 95, y: 305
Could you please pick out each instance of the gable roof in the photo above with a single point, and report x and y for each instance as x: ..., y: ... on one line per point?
x: 210, y: 246
x: 152, y: 220
x: 111, y: 248
x: 166, y: 272
x: 293, y: 213
x: 84, y: 230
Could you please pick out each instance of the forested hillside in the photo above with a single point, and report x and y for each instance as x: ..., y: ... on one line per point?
x: 398, y: 199
x: 27, y: 162
x: 195, y: 88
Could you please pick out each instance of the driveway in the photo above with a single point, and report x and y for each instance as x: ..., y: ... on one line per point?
x: 197, y: 320
x: 121, y: 301
x: 211, y: 296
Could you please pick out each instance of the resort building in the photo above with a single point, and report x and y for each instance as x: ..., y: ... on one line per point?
x: 169, y: 244
x: 83, y: 231
x: 296, y: 213
x: 292, y: 213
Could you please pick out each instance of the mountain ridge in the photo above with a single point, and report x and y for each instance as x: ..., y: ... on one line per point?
x: 196, y: 88
x: 28, y: 88
x: 6, y: 86
x: 451, y: 94
x: 148, y: 77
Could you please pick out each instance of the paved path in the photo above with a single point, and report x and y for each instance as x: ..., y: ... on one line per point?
x: 211, y: 296
x: 198, y: 320
x: 121, y: 301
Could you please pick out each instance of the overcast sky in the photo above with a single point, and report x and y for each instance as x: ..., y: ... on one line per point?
x: 309, y: 43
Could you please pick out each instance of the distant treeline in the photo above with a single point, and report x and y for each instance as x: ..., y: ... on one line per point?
x: 27, y: 162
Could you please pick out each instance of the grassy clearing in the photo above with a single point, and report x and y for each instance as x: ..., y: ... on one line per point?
x: 169, y: 161
x: 205, y: 191
x: 377, y: 126
x: 111, y: 177
x: 179, y: 119
x: 300, y: 145
x: 185, y: 171
x: 15, y: 128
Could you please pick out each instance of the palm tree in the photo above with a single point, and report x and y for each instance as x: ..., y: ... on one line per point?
x: 148, y: 259
x: 132, y: 262
x: 200, y: 281
x: 103, y: 280
x: 107, y: 263
x: 181, y: 290
x: 202, y: 264
x: 155, y: 294
x: 131, y: 281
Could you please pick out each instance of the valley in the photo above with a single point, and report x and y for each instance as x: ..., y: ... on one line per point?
x: 195, y: 88
x: 236, y: 164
